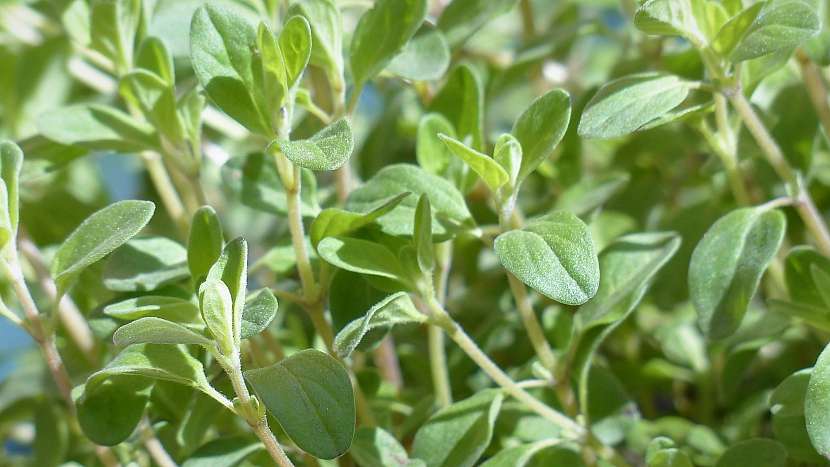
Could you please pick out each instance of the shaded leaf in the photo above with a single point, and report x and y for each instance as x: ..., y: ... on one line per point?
x: 145, y: 264
x: 392, y: 310
x: 540, y: 128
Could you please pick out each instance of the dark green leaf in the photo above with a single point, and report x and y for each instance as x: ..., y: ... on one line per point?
x: 223, y: 452
x: 335, y: 222
x: 461, y: 18
x: 375, y: 447
x: 540, y: 128
x: 109, y: 413
x: 392, y: 310
x: 205, y: 242
x: 361, y: 256
x: 310, y: 394
x: 759, y: 452
x: 422, y: 235
x: 788, y: 421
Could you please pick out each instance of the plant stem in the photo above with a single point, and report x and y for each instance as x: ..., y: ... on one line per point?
x: 154, y: 446
x: 165, y: 189
x: 437, y: 351
x: 387, y: 362
x: 439, y: 317
x: 730, y: 165
x: 811, y: 75
x: 233, y: 368
x: 804, y: 202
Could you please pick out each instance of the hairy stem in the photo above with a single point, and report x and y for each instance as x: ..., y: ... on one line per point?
x: 804, y: 203
x: 439, y: 317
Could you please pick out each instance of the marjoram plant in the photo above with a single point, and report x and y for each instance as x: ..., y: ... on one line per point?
x: 436, y: 233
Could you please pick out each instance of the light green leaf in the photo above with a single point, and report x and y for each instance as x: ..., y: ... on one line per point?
x: 152, y: 330
x: 169, y: 308
x: 483, y: 165
x: 98, y: 236
x: 109, y: 412
x: 781, y: 25
x: 157, y: 361
x: 662, y: 452
x: 11, y: 161
x: 787, y: 405
x: 516, y: 456
x: 800, y: 278
x: 157, y: 101
x: 627, y: 104
x: 153, y: 56
x: 97, y: 127
x: 260, y: 309
x: 449, y: 209
x: 232, y: 269
x: 456, y: 436
x: 204, y: 243
x: 591, y: 193
x: 395, y: 21
x: 540, y: 128
x: 817, y: 404
x: 145, y: 263
x: 734, y: 30
x: 426, y: 57
x: 216, y: 304
x: 223, y: 452
x: 672, y: 18
x: 327, y: 35
x: 462, y: 18
x: 328, y: 149
x: 727, y: 266
x: 461, y: 101
x: 508, y: 154
x: 760, y: 452
x: 295, y: 46
x: 554, y: 255
x: 220, y: 51
x: 333, y: 222
x: 432, y: 154
x: 361, y: 256
x: 422, y: 236
x: 392, y: 310
x: 113, y: 28
x: 311, y: 395
x: 376, y: 447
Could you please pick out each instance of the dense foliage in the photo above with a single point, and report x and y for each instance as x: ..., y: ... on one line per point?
x: 415, y: 233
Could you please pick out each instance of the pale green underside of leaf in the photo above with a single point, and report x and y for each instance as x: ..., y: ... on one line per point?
x: 333, y: 222
x: 394, y: 309
x: 625, y: 105
x: 328, y: 149
x: 781, y: 25
x: 152, y: 330
x: 817, y: 404
x: 169, y: 308
x: 97, y: 127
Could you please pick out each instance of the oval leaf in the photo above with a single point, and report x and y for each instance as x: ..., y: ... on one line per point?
x: 540, y: 128
x: 392, y: 310
x: 157, y: 331
x: 486, y: 168
x: 311, y: 395
x: 328, y: 149
x: 260, y: 309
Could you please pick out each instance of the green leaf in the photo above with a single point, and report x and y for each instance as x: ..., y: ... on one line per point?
x: 817, y: 404
x: 426, y: 57
x: 169, y: 308
x: 485, y: 166
x: 51, y: 435
x: 327, y: 35
x: 376, y: 447
x: 517, y: 456
x: 114, y: 25
x: 146, y: 263
x: 153, y: 56
x: 361, y: 256
x: 462, y: 18
x: 627, y: 104
x: 295, y: 46
x: 422, y: 236
x: 734, y: 30
x: 392, y: 310
x: 334, y: 222
x: 456, y: 436
x: 217, y: 311
x: 395, y: 21
x: 11, y: 161
x: 97, y: 127
x: 157, y: 361
x: 157, y: 101
x: 781, y: 25
x: 759, y: 452
x: 800, y: 278
x: 255, y: 180
x: 788, y: 421
x: 311, y: 395
x: 98, y: 236
x: 662, y: 452
x: 110, y: 412
x: 554, y: 255
x: 672, y: 18
x: 223, y: 452
x: 540, y: 128
x: 432, y: 154
x: 461, y: 101
x: 727, y: 266
x: 508, y: 154
x: 221, y: 43
x: 152, y: 330
x: 328, y: 149
x: 232, y: 269
x: 204, y: 243
x: 449, y: 209
x: 260, y: 309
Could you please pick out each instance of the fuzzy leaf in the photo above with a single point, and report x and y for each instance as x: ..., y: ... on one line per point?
x: 334, y: 222
x: 361, y: 256
x: 204, y: 243
x: 169, y: 308
x: 485, y: 166
x: 156, y: 331
x: 145, y: 263
x: 426, y: 57
x: 781, y: 25
x: 97, y: 127
x: 260, y: 309
x: 328, y: 149
x: 392, y: 310
x: 540, y: 128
